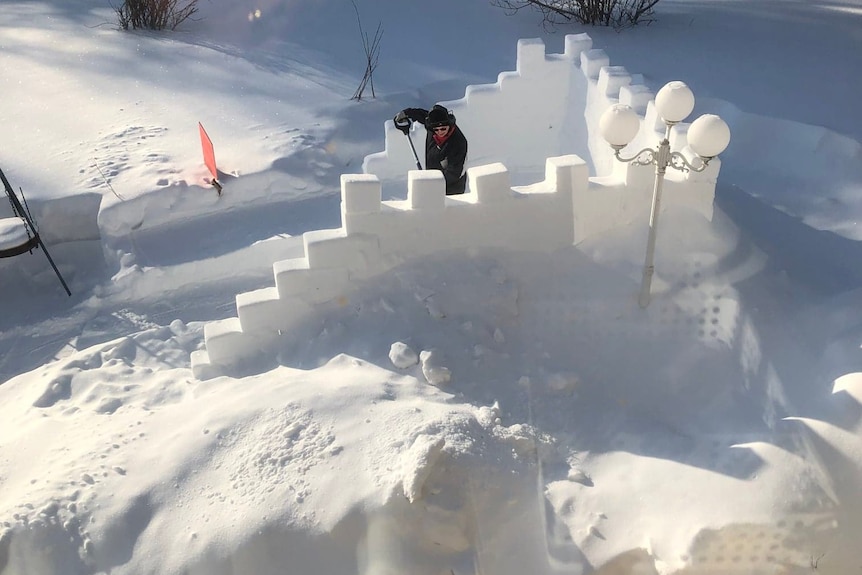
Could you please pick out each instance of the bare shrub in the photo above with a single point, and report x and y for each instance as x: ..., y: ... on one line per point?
x: 614, y: 13
x: 154, y: 14
x: 372, y: 53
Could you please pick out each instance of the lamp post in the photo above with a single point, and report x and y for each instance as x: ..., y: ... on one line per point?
x: 708, y: 136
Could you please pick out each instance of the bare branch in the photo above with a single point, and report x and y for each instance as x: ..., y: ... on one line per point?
x: 154, y: 14
x: 372, y: 54
x: 615, y: 13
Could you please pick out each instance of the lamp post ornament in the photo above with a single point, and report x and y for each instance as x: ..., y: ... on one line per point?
x: 708, y: 136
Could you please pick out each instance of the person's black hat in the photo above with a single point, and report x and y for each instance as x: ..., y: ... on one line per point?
x: 439, y: 116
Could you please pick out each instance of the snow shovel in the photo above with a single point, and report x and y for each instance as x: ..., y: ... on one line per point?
x: 409, y: 139
x: 405, y: 128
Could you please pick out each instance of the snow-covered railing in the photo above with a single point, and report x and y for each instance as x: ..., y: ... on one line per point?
x: 552, y: 103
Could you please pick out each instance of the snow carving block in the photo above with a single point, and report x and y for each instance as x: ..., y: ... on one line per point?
x: 227, y: 344
x: 567, y: 174
x: 258, y: 310
x: 360, y: 193
x: 293, y: 278
x: 478, y: 94
x: 577, y: 44
x: 360, y: 198
x: 592, y: 62
x: 262, y: 311
x: 426, y: 189
x: 611, y: 79
x: 652, y: 120
x: 333, y: 248
x: 202, y: 369
x: 637, y: 96
x: 531, y: 55
x: 490, y: 183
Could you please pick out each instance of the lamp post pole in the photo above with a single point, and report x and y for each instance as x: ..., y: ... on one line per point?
x: 708, y: 136
x: 662, y: 158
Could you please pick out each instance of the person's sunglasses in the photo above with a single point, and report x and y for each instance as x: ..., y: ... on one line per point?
x: 441, y: 129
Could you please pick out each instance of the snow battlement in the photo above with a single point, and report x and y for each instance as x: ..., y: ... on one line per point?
x: 377, y: 235
x: 550, y: 106
x: 552, y: 103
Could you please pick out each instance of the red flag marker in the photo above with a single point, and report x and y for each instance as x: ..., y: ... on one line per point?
x: 209, y: 156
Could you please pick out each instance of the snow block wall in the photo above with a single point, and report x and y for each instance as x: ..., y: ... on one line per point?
x: 377, y: 235
x: 553, y: 104
x: 519, y: 121
x: 550, y: 106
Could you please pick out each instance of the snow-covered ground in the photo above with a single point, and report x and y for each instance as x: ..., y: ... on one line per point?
x: 717, y: 431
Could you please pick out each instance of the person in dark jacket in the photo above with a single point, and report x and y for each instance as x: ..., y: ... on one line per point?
x: 445, y: 144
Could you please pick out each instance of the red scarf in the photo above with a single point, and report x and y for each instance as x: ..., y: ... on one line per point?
x: 440, y: 139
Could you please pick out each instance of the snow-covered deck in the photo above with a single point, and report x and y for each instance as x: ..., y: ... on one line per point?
x: 13, y: 233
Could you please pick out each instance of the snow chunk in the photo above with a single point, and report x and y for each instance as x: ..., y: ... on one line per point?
x: 402, y: 356
x: 434, y: 309
x: 419, y: 461
x: 489, y: 416
x: 562, y: 382
x: 579, y: 476
x: 13, y: 233
x: 498, y: 336
x: 433, y: 370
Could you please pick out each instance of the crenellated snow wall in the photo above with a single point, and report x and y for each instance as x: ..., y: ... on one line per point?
x: 552, y: 103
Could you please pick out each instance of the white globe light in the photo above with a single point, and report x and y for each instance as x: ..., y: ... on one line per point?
x: 708, y: 136
x: 674, y: 102
x: 619, y: 125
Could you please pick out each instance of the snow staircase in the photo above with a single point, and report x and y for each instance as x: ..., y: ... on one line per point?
x: 376, y: 236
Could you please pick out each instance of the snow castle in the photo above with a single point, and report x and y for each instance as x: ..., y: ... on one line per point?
x: 553, y: 102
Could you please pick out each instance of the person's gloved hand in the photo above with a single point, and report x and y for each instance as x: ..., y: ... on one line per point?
x: 402, y: 122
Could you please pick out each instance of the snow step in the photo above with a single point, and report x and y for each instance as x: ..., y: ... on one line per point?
x: 264, y: 311
x: 202, y: 369
x: 227, y: 344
